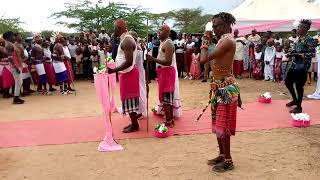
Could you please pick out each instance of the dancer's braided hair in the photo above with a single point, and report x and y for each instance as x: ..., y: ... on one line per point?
x: 226, y: 17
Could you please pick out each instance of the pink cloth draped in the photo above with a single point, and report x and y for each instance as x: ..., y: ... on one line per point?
x: 50, y: 73
x: 129, y: 84
x: 102, y: 84
x: 166, y: 80
x: 244, y: 30
x: 112, y: 87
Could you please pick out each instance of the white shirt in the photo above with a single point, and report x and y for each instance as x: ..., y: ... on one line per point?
x: 66, y: 52
x: 255, y: 39
x: 180, y: 44
x: 102, y: 57
x: 239, y: 54
x: 72, y: 49
x: 278, y: 41
x: 270, y: 54
x: 279, y: 55
x: 102, y: 36
x: 47, y: 53
x: 120, y: 59
x: 258, y: 55
x: 190, y: 46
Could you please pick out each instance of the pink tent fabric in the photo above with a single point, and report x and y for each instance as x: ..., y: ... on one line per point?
x: 103, y: 84
x: 268, y: 25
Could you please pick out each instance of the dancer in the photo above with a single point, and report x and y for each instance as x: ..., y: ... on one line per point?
x: 38, y: 60
x: 60, y: 69
x: 225, y: 93
x: 48, y: 66
x: 15, y: 66
x: 302, y: 54
x: 128, y: 74
x: 68, y: 63
x: 167, y: 77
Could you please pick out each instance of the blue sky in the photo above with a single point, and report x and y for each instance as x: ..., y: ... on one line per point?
x: 37, y: 20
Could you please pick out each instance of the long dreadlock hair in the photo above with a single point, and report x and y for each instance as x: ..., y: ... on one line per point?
x: 306, y: 22
x: 226, y: 17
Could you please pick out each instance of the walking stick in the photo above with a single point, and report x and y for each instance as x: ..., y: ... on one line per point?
x: 147, y: 81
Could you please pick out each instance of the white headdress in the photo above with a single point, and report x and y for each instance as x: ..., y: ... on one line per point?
x: 54, y: 36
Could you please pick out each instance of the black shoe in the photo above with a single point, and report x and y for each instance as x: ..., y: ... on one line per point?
x: 292, y: 103
x: 204, y: 80
x: 215, y: 161
x: 139, y: 116
x: 296, y: 110
x: 17, y: 100
x: 131, y: 128
x: 223, y: 167
x: 52, y: 89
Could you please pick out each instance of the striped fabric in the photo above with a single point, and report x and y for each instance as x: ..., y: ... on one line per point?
x: 168, y: 98
x: 225, y: 122
x: 130, y: 105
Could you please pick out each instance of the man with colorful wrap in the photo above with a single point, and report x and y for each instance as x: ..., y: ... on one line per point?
x: 225, y: 92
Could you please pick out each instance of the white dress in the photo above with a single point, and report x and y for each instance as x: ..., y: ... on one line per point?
x: 177, y: 110
x: 142, y: 84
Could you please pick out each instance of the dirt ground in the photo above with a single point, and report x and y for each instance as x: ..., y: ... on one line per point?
x: 275, y: 154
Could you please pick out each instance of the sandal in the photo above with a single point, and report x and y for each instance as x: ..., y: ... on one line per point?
x: 226, y: 165
x: 216, y: 160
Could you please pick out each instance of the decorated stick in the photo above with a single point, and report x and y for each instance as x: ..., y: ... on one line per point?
x: 204, y: 110
x: 147, y: 79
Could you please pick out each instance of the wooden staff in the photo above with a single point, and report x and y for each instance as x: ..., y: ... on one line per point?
x: 147, y: 79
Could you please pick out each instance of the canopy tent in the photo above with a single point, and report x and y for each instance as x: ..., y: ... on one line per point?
x: 274, y: 15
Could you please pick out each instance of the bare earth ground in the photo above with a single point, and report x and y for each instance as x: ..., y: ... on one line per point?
x: 276, y: 154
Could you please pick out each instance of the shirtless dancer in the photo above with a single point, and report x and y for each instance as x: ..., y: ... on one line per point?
x: 166, y: 73
x: 128, y: 74
x: 15, y: 65
x: 224, y: 93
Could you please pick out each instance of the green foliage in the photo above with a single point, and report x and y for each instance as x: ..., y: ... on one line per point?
x: 12, y: 24
x: 85, y: 14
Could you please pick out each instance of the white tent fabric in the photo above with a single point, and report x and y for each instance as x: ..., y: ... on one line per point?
x: 258, y: 12
x: 276, y: 10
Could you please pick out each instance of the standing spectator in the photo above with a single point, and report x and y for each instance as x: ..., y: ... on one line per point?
x: 254, y: 37
x: 293, y: 38
x: 72, y: 49
x: 188, y: 55
x: 155, y: 52
x: 269, y: 56
x: 278, y: 39
x: 239, y: 54
x: 87, y: 64
x: 103, y: 36
x: 179, y: 54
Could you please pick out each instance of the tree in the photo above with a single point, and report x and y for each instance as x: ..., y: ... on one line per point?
x: 12, y: 24
x: 190, y: 20
x: 84, y: 14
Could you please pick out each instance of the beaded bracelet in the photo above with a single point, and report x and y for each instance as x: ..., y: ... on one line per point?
x: 204, y: 46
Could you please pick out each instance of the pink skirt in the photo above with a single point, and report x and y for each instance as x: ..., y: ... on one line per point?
x: 7, y: 78
x: 69, y: 70
x: 129, y: 84
x: 166, y: 80
x: 50, y: 73
x: 195, y: 69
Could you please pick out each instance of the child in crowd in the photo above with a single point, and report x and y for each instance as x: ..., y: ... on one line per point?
x: 269, y: 56
x: 285, y: 63
x: 278, y: 62
x: 195, y: 69
x: 257, y: 63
